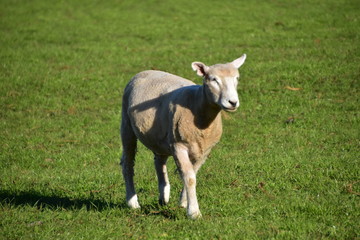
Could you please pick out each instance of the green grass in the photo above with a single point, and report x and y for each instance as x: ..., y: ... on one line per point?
x: 64, y: 65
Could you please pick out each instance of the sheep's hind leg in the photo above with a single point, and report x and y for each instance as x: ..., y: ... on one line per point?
x: 129, y: 141
x: 163, y: 179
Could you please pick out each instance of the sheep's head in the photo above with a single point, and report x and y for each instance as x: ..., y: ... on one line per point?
x: 220, y: 82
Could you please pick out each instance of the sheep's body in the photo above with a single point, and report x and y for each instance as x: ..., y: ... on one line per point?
x: 172, y: 116
x: 164, y: 116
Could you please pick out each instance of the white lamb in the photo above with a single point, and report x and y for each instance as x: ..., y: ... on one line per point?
x: 172, y: 116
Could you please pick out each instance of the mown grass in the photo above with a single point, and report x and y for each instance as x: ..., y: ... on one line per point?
x: 287, y: 166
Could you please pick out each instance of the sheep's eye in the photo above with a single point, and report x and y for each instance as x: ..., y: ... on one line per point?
x: 214, y: 79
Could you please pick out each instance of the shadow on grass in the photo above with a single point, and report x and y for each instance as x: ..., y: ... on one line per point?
x: 171, y: 213
x: 54, y: 202
x: 40, y: 201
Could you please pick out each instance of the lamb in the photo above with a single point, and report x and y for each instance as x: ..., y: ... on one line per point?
x: 172, y: 116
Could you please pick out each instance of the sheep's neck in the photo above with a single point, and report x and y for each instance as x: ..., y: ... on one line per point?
x: 207, y: 112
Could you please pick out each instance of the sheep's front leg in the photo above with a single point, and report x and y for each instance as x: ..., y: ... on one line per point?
x: 183, y: 196
x: 189, y: 179
x: 163, y: 179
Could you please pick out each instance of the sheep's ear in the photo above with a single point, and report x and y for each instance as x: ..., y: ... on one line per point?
x: 238, y: 62
x: 200, y: 68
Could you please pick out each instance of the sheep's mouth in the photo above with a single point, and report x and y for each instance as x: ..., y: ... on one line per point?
x: 231, y: 109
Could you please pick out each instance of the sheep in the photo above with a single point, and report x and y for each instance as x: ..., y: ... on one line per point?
x: 174, y: 117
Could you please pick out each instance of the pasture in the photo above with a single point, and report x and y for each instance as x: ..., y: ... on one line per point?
x: 288, y: 163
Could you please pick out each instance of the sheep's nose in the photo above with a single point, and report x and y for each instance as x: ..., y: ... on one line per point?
x: 233, y: 103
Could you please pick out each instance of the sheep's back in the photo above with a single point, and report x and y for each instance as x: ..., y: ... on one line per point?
x: 152, y: 84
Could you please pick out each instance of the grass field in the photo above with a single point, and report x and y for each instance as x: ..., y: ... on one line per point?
x: 288, y: 164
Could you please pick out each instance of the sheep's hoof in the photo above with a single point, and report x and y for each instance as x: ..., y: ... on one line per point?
x: 183, y: 204
x: 163, y: 202
x: 133, y: 202
x: 195, y: 215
